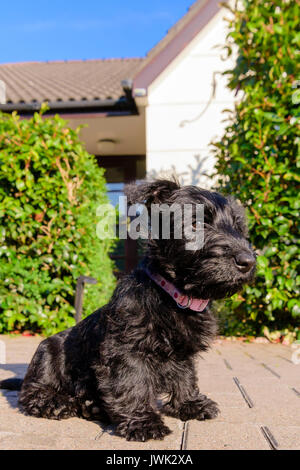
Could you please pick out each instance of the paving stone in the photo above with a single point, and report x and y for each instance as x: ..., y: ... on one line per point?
x: 288, y: 437
x: 249, y: 369
x: 74, y: 433
x: 228, y: 400
x: 27, y: 432
x: 271, y: 396
x: 211, y: 384
x: 18, y: 441
x: 262, y: 416
x: 224, y: 436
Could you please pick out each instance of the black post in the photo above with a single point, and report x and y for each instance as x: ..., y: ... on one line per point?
x: 79, y: 294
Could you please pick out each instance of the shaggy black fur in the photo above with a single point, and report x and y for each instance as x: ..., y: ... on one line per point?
x: 114, y: 364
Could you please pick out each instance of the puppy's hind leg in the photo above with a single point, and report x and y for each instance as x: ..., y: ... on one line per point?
x: 44, y: 402
x: 130, y: 404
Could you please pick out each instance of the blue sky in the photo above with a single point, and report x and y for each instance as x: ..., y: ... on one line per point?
x: 84, y: 29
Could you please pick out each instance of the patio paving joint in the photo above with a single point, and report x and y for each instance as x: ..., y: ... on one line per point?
x: 269, y: 437
x: 184, y: 439
x: 244, y: 393
x: 296, y: 391
x: 227, y: 364
x: 270, y: 370
x: 285, y: 359
x: 249, y: 355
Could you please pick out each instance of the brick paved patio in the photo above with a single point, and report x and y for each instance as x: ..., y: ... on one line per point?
x: 256, y: 385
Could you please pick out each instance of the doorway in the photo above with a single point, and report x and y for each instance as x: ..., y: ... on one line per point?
x: 120, y: 170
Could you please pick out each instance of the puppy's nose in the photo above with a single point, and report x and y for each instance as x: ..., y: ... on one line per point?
x: 244, y: 261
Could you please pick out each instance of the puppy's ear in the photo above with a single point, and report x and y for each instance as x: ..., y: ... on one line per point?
x: 239, y: 216
x: 150, y: 192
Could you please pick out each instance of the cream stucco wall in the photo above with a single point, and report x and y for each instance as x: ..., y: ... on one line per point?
x: 177, y: 139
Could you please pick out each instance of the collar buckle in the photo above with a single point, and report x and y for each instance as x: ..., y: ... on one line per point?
x: 185, y: 306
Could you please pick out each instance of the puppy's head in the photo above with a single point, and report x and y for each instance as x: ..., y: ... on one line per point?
x: 222, y: 263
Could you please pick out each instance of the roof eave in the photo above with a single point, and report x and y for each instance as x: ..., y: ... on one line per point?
x: 73, y: 106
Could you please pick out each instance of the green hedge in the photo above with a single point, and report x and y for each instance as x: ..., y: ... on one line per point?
x: 49, y: 190
x: 258, y: 160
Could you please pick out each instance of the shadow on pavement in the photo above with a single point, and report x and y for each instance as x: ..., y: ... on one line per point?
x: 19, y: 370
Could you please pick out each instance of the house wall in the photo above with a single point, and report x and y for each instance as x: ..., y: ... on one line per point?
x: 177, y: 137
x: 2, y: 92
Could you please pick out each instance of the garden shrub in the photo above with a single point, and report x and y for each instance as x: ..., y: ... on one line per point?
x: 258, y: 160
x: 49, y: 190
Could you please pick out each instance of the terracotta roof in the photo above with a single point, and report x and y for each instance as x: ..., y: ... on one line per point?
x: 66, y: 81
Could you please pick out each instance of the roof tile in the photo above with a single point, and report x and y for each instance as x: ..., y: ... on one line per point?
x: 66, y: 81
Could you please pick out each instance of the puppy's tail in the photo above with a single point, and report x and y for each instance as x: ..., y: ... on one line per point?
x: 11, y: 384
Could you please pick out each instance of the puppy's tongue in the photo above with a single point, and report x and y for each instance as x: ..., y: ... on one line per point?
x: 199, y: 304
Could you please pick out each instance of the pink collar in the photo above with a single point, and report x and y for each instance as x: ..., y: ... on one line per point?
x: 183, y: 301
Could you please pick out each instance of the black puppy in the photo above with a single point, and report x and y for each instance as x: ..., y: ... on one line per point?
x: 114, y: 364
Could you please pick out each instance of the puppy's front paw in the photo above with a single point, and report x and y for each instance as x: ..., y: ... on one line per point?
x: 209, y: 411
x: 202, y: 408
x: 142, y: 430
